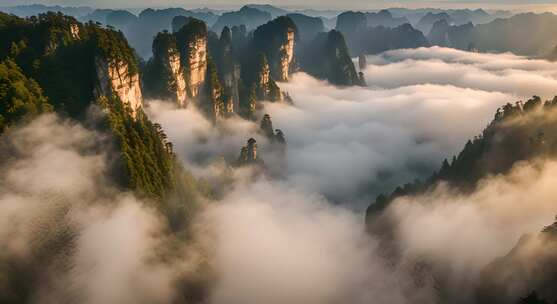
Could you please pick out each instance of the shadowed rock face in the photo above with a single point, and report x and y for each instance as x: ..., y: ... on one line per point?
x: 179, y: 22
x: 229, y: 71
x: 308, y: 27
x: 114, y: 78
x: 426, y: 23
x: 330, y: 60
x: 385, y: 18
x: 351, y: 22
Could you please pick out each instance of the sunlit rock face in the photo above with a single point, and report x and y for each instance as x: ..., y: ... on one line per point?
x: 277, y: 39
x: 287, y: 55
x: 163, y: 75
x: 264, y: 74
x: 165, y: 69
x: 196, y: 64
x: 192, y: 45
x: 265, y: 86
x: 62, y: 34
x: 74, y: 30
x: 114, y: 78
x: 175, y: 69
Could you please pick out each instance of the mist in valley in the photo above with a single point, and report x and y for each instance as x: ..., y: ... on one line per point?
x: 295, y: 225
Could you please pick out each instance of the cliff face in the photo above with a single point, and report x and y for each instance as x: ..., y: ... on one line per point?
x: 230, y: 82
x: 74, y: 31
x: 211, y: 100
x: 439, y: 34
x: 329, y: 59
x: 265, y: 86
x: 114, y: 78
x: 61, y: 33
x: 163, y: 74
x: 175, y: 69
x: 178, y: 68
x: 179, y: 22
x: 248, y: 154
x: 286, y: 56
x: 195, y: 64
x: 229, y: 71
x: 308, y: 27
x: 181, y: 69
x: 276, y: 39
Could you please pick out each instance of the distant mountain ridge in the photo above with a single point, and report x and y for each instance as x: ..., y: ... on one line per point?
x: 149, y: 22
x: 524, y: 34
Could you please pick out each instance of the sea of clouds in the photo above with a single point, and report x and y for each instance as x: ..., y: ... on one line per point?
x: 299, y: 238
x: 351, y: 144
x: 346, y: 145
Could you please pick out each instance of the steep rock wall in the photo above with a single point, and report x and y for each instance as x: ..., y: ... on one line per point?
x: 195, y: 64
x: 177, y: 77
x: 286, y: 56
x: 113, y: 77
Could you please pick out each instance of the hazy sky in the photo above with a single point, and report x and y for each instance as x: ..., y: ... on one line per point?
x: 321, y: 4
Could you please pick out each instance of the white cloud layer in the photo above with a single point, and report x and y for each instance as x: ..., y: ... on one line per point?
x: 515, y: 75
x: 282, y: 241
x: 350, y: 144
x: 288, y: 243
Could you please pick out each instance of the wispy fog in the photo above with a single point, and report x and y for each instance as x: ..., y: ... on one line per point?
x: 62, y: 222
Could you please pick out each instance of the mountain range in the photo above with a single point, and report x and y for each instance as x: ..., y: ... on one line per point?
x: 100, y: 69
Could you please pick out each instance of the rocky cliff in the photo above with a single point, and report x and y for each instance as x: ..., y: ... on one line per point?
x: 163, y: 74
x: 308, y: 27
x: 195, y: 62
x: 192, y: 44
x: 178, y: 80
x: 229, y: 71
x: 426, y: 22
x: 248, y: 154
x: 329, y: 59
x: 265, y: 86
x: 276, y: 39
x: 439, y: 34
x: 115, y: 78
x: 179, y: 22
x: 266, y: 128
x: 211, y: 98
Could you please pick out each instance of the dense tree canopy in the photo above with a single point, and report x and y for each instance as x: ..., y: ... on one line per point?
x: 20, y: 97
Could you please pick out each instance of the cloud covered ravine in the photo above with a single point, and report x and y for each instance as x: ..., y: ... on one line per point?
x: 300, y: 237
x: 397, y: 129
